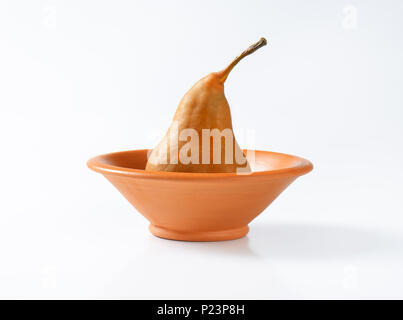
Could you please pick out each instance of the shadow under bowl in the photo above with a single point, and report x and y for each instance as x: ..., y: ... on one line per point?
x: 200, y: 206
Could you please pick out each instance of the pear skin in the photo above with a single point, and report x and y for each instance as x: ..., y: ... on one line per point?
x: 200, y: 138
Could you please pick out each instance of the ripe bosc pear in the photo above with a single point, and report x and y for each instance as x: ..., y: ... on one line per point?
x: 200, y: 138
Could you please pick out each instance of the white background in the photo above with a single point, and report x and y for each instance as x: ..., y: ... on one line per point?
x: 82, y: 78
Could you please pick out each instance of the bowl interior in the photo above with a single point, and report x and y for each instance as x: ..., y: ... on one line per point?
x: 134, y: 159
x: 260, y: 161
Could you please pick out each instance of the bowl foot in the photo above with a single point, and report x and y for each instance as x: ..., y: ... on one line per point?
x: 199, y: 236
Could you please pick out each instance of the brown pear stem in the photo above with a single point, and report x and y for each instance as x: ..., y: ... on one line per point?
x: 262, y: 42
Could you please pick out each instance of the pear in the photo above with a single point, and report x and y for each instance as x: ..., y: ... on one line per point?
x: 200, y: 138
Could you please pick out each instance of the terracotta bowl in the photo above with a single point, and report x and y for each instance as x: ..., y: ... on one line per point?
x: 200, y: 206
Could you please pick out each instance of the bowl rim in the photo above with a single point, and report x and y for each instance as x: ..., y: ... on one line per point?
x: 97, y: 164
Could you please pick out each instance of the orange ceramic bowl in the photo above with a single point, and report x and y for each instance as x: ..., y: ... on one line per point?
x: 200, y: 206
